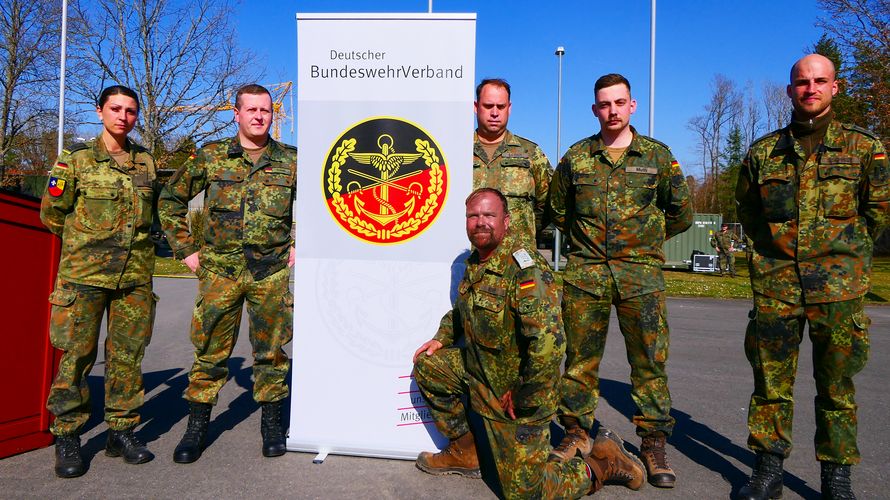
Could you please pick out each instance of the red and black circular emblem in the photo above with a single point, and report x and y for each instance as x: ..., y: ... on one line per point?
x: 385, y: 180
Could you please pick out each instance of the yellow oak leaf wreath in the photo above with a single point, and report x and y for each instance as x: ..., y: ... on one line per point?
x: 401, y: 228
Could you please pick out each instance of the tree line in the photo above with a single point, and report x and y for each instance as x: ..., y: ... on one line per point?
x: 176, y: 55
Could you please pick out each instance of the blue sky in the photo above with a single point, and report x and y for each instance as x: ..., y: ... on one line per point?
x: 753, y: 40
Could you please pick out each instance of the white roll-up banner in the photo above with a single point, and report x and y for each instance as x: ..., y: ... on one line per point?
x: 385, y: 162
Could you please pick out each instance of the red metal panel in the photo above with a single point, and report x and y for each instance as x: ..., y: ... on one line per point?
x: 29, y: 258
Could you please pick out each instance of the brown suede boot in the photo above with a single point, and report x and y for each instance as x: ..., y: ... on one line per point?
x: 657, y: 468
x: 459, y: 457
x: 575, y: 442
x: 610, y: 463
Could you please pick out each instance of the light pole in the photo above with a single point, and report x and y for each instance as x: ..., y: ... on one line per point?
x: 557, y: 237
x: 61, y: 139
x: 652, y: 70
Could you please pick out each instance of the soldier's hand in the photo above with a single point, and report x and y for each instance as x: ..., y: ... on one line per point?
x: 292, y: 257
x: 430, y: 346
x: 193, y: 261
x: 507, y: 404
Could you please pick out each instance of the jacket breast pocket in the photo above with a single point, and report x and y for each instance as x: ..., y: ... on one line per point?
x: 99, y: 208
x: 488, y: 315
x: 224, y: 192
x: 640, y: 188
x: 517, y: 180
x: 778, y: 193
x: 839, y: 186
x: 588, y: 194
x: 276, y: 196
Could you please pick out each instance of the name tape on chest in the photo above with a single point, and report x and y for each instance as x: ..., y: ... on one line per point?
x: 523, y: 258
x: 640, y: 170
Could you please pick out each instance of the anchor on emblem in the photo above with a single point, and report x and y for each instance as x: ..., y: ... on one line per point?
x: 387, y: 162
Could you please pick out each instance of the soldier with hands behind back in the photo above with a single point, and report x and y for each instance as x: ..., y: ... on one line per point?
x: 513, y: 165
x: 618, y: 196
x: 813, y: 197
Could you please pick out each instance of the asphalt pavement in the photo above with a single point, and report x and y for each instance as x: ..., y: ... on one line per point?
x: 710, y: 382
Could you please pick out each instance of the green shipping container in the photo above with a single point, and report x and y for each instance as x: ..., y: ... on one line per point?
x: 678, y: 250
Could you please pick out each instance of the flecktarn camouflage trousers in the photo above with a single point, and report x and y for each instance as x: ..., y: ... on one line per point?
x: 643, y: 323
x: 839, y: 333
x: 76, y: 316
x: 214, y: 331
x: 520, y: 451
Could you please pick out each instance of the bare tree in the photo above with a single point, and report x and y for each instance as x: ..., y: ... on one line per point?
x: 752, y: 125
x: 861, y: 29
x: 180, y: 56
x: 29, y: 48
x: 721, y: 112
x: 854, y: 22
x: 776, y: 105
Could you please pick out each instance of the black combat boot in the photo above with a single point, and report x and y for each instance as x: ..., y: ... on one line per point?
x: 191, y: 445
x: 69, y: 463
x: 836, y: 482
x: 766, y: 479
x: 125, y: 443
x: 271, y: 430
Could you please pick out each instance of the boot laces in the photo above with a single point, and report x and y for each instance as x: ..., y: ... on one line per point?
x: 616, y: 473
x: 197, y: 424
x: 271, y: 421
x: 839, y: 482
x: 572, y: 438
x: 656, y: 450
x: 129, y: 439
x: 765, y: 469
x: 68, y: 447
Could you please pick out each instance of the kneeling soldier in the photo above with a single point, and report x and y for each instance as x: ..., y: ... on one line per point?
x: 508, y: 310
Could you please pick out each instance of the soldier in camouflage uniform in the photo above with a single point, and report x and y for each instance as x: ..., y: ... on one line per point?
x: 618, y: 196
x: 511, y: 164
x: 99, y: 200
x: 725, y: 242
x: 249, y: 184
x: 813, y: 197
x: 507, y: 313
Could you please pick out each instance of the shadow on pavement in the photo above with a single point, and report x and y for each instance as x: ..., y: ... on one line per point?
x: 700, y: 443
x: 164, y: 410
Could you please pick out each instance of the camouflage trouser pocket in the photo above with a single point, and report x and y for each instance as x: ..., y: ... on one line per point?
x: 751, y: 351
x: 530, y: 434
x: 63, y: 322
x: 859, y: 344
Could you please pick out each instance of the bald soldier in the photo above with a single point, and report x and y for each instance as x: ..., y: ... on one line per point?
x: 813, y: 197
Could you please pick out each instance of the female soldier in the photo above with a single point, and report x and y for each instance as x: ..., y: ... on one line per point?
x: 99, y: 201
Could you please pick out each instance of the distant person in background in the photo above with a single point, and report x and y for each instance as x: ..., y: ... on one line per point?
x: 507, y: 313
x: 513, y: 165
x: 99, y: 200
x: 618, y: 196
x: 725, y: 242
x: 244, y: 255
x: 813, y: 197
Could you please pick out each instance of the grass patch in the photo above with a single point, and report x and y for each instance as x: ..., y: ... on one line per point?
x: 168, y: 266
x: 689, y: 284
x: 710, y: 285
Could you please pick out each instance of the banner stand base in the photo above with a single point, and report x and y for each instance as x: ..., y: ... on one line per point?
x: 319, y: 459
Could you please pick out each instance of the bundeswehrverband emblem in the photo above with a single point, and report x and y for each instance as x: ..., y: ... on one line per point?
x: 385, y: 180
